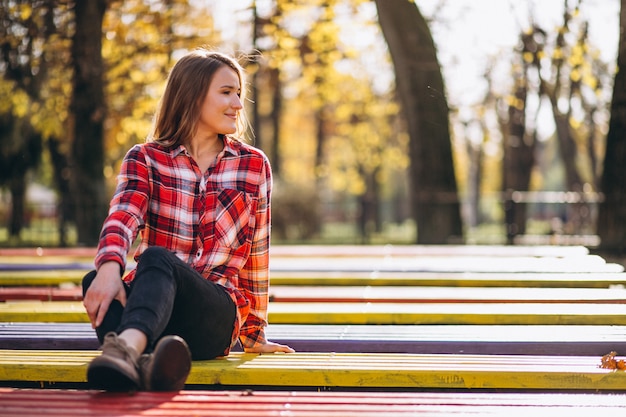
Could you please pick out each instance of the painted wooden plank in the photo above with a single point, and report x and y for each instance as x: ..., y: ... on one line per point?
x: 442, y: 313
x: 588, y: 263
x: 38, y: 252
x: 442, y: 339
x: 346, y: 370
x: 235, y: 403
x: 57, y: 311
x: 43, y: 278
x: 404, y: 294
x: 46, y: 266
x: 342, y: 250
x: 74, y: 293
x: 371, y: 278
x: 377, y: 294
x: 427, y: 250
x: 371, y: 313
x: 449, y: 279
x: 69, y: 259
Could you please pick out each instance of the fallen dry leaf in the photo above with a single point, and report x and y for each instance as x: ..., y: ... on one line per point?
x: 608, y: 361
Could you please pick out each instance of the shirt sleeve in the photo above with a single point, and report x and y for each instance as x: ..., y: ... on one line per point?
x: 126, y: 210
x: 254, y: 276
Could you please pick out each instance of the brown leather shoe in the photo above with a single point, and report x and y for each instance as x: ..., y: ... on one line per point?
x: 116, y: 369
x: 167, y: 368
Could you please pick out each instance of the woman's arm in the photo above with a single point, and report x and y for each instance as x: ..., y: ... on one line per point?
x: 254, y: 276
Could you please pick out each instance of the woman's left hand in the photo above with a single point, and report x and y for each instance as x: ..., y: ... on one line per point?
x: 270, y: 347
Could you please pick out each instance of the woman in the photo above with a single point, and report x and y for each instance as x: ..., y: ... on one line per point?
x: 200, y: 202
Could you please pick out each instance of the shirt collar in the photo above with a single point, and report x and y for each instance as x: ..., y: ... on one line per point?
x: 228, y: 147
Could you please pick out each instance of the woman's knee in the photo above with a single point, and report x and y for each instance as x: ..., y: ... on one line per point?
x: 156, y: 252
x: 87, y: 280
x: 155, y: 255
x: 157, y: 263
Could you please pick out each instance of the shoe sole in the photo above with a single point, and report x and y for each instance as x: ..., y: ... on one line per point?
x: 105, y: 376
x: 171, y: 364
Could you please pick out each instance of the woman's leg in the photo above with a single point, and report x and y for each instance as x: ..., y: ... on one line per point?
x: 204, y: 317
x: 168, y: 297
x: 113, y: 317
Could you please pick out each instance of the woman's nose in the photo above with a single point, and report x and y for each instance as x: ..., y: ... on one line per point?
x: 236, y: 103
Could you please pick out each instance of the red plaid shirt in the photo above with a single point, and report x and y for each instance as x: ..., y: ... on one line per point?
x: 219, y: 222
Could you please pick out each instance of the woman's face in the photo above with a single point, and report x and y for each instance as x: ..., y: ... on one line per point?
x: 218, y: 112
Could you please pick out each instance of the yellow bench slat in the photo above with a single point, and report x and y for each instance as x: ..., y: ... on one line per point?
x: 348, y: 370
x: 345, y: 278
x: 370, y: 313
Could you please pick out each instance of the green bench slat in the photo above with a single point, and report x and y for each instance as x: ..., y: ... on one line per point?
x: 348, y: 370
x: 371, y: 313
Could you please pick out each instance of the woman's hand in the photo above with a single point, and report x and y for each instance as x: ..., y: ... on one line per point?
x: 269, y: 347
x: 106, y: 287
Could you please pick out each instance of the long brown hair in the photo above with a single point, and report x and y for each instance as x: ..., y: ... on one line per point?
x: 175, y: 120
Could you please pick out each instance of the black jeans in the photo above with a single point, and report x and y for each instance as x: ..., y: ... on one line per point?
x: 167, y: 297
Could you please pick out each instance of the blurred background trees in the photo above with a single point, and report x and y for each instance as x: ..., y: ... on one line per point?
x: 349, y: 101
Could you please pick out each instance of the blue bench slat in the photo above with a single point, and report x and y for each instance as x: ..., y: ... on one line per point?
x: 453, y: 339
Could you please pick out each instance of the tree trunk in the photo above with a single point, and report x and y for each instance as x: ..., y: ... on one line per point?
x: 256, y: 80
x: 88, y: 115
x: 276, y: 116
x: 517, y: 164
x: 60, y: 173
x: 612, y: 212
x: 17, y: 187
x: 567, y: 146
x: 436, y: 207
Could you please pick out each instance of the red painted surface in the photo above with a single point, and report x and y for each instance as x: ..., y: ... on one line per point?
x: 56, y: 403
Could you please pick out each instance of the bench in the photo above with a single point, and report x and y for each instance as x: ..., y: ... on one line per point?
x: 586, y: 263
x: 79, y: 253
x: 409, y: 294
x: 426, y: 339
x: 246, y: 403
x: 372, y: 278
x: 517, y: 264
x: 370, y: 313
x: 428, y: 250
x: 346, y: 370
x: 379, y: 294
x: 41, y: 293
